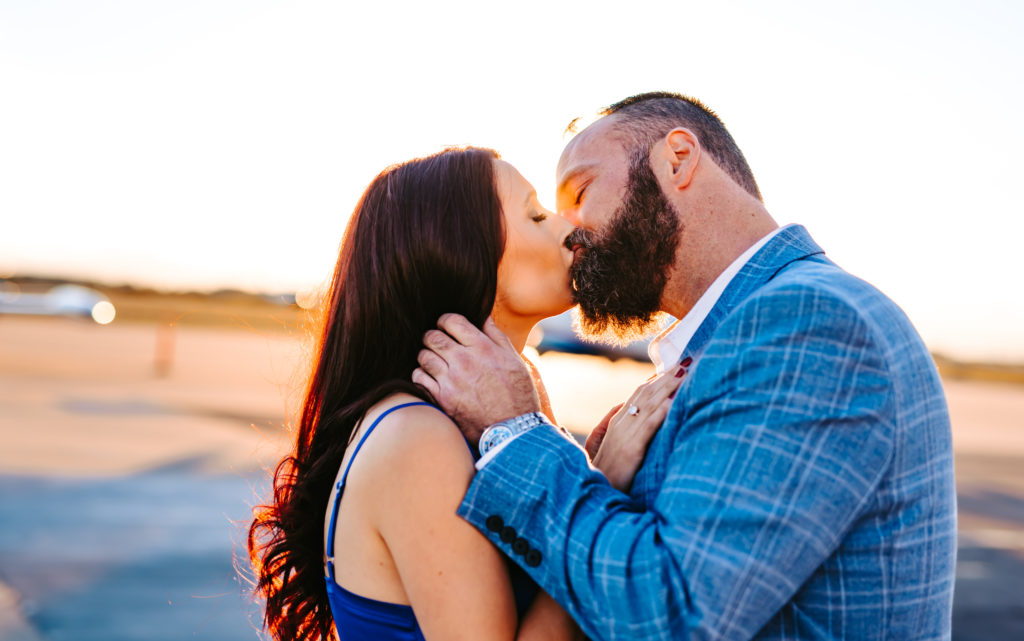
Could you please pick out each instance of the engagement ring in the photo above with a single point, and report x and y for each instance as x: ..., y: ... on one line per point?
x: 633, y: 410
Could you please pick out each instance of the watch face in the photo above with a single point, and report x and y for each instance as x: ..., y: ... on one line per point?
x: 494, y: 435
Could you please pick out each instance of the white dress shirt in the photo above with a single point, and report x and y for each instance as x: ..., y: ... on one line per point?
x: 668, y: 346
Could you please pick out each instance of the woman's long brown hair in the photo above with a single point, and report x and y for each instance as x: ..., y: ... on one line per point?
x: 425, y: 239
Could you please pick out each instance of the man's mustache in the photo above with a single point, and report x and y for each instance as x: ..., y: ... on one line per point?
x: 580, y: 237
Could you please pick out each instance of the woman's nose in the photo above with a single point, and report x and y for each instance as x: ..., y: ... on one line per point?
x: 565, y: 228
x: 572, y: 217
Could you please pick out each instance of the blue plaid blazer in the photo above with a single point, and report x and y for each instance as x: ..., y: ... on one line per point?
x: 801, y: 486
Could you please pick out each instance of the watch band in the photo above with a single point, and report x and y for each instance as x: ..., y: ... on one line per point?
x: 507, y: 429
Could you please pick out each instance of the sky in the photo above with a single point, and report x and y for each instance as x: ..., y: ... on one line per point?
x: 211, y: 144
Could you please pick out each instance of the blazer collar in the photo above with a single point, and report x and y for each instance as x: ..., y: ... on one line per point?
x: 792, y: 243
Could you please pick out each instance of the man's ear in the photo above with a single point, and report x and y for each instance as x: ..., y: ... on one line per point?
x: 678, y: 155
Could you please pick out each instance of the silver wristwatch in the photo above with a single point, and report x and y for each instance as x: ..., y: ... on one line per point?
x: 498, y: 433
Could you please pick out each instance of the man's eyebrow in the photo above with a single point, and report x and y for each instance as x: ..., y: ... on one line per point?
x: 573, y: 175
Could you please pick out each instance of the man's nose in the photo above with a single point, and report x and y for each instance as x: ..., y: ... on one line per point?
x: 573, y: 217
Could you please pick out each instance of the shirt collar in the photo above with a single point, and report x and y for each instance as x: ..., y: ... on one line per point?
x: 668, y: 346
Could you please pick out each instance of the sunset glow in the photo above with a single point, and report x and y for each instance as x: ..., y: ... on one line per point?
x: 199, y: 145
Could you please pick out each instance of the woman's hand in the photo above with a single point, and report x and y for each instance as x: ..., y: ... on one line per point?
x: 618, y: 444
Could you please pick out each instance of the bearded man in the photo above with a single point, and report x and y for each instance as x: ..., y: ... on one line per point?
x: 801, y: 485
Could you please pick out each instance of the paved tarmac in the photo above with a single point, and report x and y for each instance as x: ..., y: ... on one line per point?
x: 125, y: 492
x: 142, y: 557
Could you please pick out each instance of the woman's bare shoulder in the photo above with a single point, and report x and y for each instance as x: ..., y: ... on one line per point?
x: 414, y: 440
x: 413, y: 421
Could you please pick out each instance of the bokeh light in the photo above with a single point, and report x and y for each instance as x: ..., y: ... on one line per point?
x: 103, y: 312
x: 308, y: 299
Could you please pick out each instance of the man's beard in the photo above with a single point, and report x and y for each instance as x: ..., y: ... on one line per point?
x: 619, y: 277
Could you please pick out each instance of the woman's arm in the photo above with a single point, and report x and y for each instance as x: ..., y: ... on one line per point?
x: 547, y: 620
x: 456, y: 581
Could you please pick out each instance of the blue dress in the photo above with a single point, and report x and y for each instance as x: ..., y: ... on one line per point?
x: 358, y: 618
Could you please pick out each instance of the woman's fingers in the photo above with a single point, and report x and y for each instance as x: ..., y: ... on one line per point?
x: 645, y: 430
x: 650, y: 394
x: 667, y: 385
x: 662, y: 386
x: 657, y: 402
x: 631, y: 429
x: 597, y: 434
x: 652, y: 401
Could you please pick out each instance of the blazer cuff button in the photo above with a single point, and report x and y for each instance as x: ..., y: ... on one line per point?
x: 508, y: 534
x: 494, y: 523
x: 533, y: 558
x: 521, y: 546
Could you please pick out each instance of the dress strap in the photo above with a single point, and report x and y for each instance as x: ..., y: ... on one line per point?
x: 337, y: 497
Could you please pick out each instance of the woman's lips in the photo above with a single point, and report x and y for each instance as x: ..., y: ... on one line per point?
x: 577, y: 250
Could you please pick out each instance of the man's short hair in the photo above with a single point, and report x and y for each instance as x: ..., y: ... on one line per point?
x: 647, y: 117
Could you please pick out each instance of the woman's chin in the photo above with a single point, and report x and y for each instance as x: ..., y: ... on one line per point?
x: 563, y: 306
x: 567, y: 300
x: 554, y: 306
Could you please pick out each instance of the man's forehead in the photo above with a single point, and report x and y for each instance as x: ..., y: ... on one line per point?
x: 589, y: 148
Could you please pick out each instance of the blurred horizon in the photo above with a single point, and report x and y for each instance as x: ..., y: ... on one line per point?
x: 295, y: 313
x: 197, y: 146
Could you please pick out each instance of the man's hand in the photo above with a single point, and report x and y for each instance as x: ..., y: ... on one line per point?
x: 477, y: 377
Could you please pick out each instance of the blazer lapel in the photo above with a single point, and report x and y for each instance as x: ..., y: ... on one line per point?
x: 792, y: 243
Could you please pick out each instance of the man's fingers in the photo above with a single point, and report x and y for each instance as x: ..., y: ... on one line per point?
x: 426, y: 381
x: 438, y: 342
x: 460, y: 329
x: 431, y: 363
x: 492, y: 332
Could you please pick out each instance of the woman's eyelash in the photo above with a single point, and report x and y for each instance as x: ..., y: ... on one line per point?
x: 538, y: 217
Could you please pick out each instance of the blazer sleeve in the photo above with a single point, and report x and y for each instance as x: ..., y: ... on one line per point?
x: 780, y: 436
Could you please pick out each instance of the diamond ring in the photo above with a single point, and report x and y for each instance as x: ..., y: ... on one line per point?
x: 633, y: 410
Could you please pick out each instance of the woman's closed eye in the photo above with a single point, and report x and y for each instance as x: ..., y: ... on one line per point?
x: 538, y: 216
